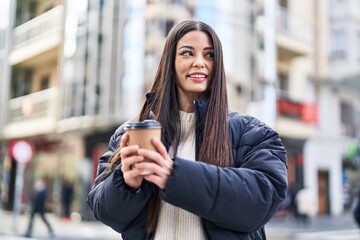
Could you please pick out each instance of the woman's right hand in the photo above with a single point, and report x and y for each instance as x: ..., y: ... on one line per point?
x: 132, y: 176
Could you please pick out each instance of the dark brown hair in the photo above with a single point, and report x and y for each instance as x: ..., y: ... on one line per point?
x: 215, y: 148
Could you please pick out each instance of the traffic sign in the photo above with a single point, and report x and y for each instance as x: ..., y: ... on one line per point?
x: 22, y: 151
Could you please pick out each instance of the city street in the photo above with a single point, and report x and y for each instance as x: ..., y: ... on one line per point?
x: 322, y: 228
x: 341, y: 227
x: 63, y: 229
x: 72, y: 73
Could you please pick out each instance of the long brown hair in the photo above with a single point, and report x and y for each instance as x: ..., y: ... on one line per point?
x: 215, y: 147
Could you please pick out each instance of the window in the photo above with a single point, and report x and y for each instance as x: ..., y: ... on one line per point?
x: 283, y: 82
x: 337, y: 44
x: 45, y: 82
x: 21, y: 82
x: 347, y: 119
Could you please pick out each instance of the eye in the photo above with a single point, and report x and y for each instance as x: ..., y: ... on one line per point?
x: 186, y: 53
x: 209, y: 55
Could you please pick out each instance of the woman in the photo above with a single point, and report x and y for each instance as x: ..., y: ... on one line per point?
x: 216, y: 175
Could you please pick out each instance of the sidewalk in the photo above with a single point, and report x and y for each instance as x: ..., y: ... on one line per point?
x: 279, y: 228
x: 286, y: 227
x: 63, y: 229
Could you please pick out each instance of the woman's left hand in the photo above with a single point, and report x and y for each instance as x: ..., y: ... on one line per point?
x: 161, y: 165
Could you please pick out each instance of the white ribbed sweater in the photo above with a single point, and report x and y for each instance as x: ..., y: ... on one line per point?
x: 176, y: 223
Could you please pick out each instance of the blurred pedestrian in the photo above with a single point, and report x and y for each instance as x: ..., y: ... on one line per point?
x: 38, y: 206
x: 292, y: 192
x: 288, y: 206
x: 215, y: 175
x: 67, y: 192
x: 306, y: 205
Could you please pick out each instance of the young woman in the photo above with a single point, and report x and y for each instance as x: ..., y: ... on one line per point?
x: 216, y: 174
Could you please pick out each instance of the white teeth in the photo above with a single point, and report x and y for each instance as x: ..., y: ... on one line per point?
x: 197, y: 76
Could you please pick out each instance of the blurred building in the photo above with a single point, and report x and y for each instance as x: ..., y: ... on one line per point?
x: 73, y: 71
x: 296, y: 103
x: 29, y: 89
x: 333, y: 152
x: 50, y: 77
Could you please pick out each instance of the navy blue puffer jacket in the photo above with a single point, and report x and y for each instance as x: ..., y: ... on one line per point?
x: 234, y: 202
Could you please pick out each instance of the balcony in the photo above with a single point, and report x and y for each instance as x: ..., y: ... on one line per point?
x: 295, y: 119
x: 37, y: 36
x: 294, y: 32
x: 31, y: 114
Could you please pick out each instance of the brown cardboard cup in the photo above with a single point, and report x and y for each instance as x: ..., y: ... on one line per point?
x: 141, y: 133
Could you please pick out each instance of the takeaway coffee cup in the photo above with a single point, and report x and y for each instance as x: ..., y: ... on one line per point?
x: 141, y: 133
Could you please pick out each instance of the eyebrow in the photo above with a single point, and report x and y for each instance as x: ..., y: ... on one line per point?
x: 192, y: 48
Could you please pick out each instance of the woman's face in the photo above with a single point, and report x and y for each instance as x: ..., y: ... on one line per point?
x: 194, y: 64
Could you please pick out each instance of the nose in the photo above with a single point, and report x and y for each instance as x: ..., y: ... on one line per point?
x: 199, y: 62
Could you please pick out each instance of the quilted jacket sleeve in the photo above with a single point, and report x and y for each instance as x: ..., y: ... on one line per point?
x: 111, y: 201
x: 241, y: 198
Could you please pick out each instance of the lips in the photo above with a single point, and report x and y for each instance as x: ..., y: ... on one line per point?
x: 197, y: 77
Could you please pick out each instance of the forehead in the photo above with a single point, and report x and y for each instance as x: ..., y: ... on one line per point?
x: 195, y: 39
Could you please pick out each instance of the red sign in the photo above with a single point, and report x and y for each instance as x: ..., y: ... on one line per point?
x: 309, y: 113
x: 22, y: 151
x: 305, y: 112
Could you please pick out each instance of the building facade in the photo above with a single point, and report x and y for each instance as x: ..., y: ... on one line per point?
x: 73, y: 71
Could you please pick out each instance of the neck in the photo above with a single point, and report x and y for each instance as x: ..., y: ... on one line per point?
x: 186, y: 105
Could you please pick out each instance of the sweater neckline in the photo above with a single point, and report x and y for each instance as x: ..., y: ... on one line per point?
x: 186, y: 116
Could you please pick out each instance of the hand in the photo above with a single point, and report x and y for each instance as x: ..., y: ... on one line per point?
x: 161, y: 165
x: 132, y: 175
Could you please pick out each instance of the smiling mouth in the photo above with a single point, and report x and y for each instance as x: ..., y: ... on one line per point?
x: 197, y: 77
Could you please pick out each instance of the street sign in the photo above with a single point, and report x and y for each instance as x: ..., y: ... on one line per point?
x: 22, y: 151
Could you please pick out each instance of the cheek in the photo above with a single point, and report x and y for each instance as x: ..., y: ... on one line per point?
x: 178, y: 79
x: 179, y: 67
x: 180, y: 72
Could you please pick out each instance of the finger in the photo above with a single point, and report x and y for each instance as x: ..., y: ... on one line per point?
x: 133, y: 173
x: 160, y: 147
x: 154, y: 168
x: 156, y: 159
x: 124, y: 140
x: 159, y: 181
x: 152, y: 155
x: 129, y: 151
x: 168, y: 162
x: 128, y: 162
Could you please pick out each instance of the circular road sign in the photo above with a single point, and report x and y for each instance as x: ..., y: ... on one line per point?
x: 22, y: 151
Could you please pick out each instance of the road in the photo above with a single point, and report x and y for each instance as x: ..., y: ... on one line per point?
x: 322, y: 228
x: 340, y: 227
